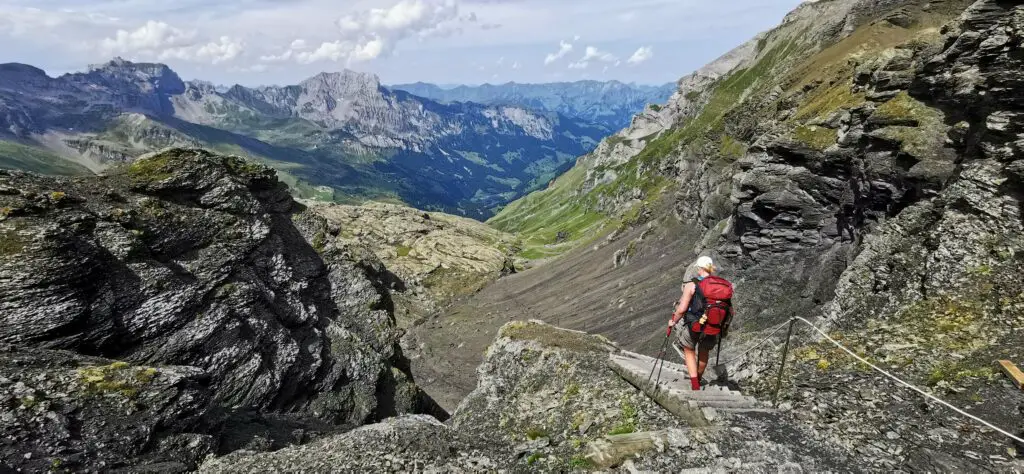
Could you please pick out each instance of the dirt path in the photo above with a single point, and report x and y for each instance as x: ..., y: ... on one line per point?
x: 582, y: 290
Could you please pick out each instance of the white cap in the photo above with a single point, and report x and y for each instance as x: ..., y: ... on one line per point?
x: 705, y: 263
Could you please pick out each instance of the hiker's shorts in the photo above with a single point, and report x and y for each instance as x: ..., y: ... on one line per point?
x: 687, y: 339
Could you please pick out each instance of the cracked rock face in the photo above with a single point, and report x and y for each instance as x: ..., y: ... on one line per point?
x: 916, y: 209
x: 192, y: 259
x: 60, y: 410
x: 433, y: 257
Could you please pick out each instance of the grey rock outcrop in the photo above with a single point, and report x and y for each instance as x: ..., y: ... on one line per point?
x: 63, y: 411
x: 193, y: 259
x: 434, y: 257
x: 547, y: 401
x: 413, y: 443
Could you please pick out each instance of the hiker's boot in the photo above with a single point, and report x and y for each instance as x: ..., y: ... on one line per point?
x: 695, y: 383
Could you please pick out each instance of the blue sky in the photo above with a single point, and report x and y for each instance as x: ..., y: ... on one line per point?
x: 255, y: 42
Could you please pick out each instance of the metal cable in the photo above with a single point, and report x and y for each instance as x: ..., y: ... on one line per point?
x: 908, y: 385
x: 755, y: 346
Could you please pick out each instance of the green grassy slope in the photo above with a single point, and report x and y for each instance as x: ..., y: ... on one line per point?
x: 21, y: 157
x: 815, y: 76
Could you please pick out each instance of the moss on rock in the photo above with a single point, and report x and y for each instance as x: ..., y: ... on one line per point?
x: 11, y: 241
x: 151, y: 168
x: 117, y: 378
x: 823, y: 102
x: 905, y: 107
x: 818, y: 138
x: 555, y: 337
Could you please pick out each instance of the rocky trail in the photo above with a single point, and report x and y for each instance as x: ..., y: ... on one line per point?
x: 583, y: 290
x: 548, y: 400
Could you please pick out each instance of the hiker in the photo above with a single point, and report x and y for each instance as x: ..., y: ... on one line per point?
x: 706, y: 311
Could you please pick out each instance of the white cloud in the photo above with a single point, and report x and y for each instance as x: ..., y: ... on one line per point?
x: 516, y: 65
x: 253, y: 68
x: 501, y: 61
x: 273, y: 58
x: 65, y: 35
x: 32, y: 23
x: 154, y: 36
x: 563, y: 49
x: 370, y: 50
x: 297, y: 45
x: 641, y: 55
x: 376, y: 32
x: 593, y: 54
x: 225, y: 49
x: 328, y: 51
x: 161, y: 41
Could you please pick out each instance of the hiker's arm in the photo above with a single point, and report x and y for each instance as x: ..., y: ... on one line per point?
x: 684, y: 303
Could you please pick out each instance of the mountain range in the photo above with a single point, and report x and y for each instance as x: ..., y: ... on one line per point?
x: 610, y: 104
x: 335, y: 136
x: 857, y: 172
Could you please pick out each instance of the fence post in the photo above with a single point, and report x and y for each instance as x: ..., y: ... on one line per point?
x: 782, y: 367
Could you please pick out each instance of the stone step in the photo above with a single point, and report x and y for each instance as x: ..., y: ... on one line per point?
x: 701, y: 395
x: 727, y: 404
x: 673, y: 389
x: 670, y: 373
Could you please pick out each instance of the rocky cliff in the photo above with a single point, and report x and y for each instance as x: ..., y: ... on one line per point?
x: 182, y: 306
x: 334, y: 136
x: 857, y: 166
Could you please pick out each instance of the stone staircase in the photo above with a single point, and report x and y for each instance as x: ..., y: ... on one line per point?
x: 673, y: 392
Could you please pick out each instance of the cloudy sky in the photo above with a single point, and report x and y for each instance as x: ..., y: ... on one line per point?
x: 255, y: 42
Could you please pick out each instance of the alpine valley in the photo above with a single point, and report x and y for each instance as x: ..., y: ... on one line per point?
x: 334, y: 137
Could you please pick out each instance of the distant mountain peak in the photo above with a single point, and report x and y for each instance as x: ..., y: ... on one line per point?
x: 21, y: 69
x: 610, y: 104
x: 344, y: 79
x: 121, y: 64
x: 155, y: 77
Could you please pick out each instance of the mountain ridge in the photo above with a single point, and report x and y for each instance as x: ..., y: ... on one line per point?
x: 336, y: 135
x: 609, y: 103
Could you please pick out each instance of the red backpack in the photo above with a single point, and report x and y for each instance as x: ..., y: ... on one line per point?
x: 713, y: 297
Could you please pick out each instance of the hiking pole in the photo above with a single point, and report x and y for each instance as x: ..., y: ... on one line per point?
x: 657, y: 381
x: 782, y: 368
x: 661, y: 355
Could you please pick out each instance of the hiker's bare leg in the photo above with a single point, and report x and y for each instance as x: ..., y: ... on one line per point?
x: 702, y: 363
x: 691, y: 361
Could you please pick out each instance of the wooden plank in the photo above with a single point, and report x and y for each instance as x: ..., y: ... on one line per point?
x: 1016, y: 376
